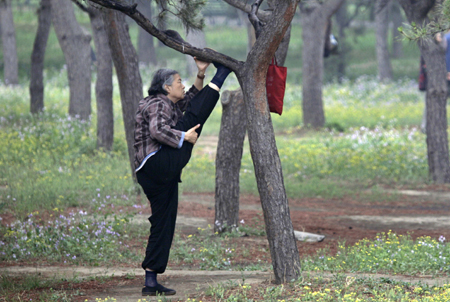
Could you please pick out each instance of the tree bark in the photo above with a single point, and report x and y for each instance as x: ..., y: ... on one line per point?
x: 75, y: 44
x: 314, y: 17
x: 10, y: 60
x: 341, y: 20
x: 382, y: 25
x: 104, y: 83
x: 436, y: 99
x: 228, y: 161
x: 127, y: 69
x: 37, y: 57
x: 146, y: 49
x: 197, y: 39
x: 397, y: 21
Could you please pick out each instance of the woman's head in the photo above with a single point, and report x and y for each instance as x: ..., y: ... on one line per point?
x: 162, y: 78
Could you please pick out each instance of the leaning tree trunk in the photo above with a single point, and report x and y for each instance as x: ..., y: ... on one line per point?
x: 37, y: 57
x: 75, y: 44
x: 228, y: 161
x: 127, y: 70
x: 382, y: 25
x: 146, y: 48
x: 436, y: 99
x: 104, y: 84
x: 195, y: 38
x: 8, y: 32
x: 397, y: 21
x: 263, y: 149
x: 314, y: 19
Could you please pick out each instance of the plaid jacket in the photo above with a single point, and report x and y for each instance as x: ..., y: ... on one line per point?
x: 155, y: 118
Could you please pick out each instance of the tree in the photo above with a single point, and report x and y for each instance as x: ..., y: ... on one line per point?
x: 37, y: 57
x: 418, y: 14
x: 127, y: 69
x: 146, y: 49
x: 228, y: 161
x: 382, y: 25
x: 397, y: 21
x: 75, y: 44
x: 104, y: 83
x: 315, y: 16
x: 8, y: 32
x: 251, y: 75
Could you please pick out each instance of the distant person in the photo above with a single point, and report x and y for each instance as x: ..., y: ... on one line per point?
x: 423, y: 78
x: 164, y: 139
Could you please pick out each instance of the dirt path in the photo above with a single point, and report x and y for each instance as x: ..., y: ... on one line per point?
x: 414, y: 212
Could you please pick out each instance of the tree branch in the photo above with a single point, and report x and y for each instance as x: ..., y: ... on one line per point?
x: 264, y: 16
x: 179, y: 45
x: 254, y: 20
x: 81, y: 6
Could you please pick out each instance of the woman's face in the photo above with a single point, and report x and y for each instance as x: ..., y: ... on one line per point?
x: 175, y: 92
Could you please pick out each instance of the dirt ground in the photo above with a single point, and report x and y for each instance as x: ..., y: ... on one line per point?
x: 416, y: 213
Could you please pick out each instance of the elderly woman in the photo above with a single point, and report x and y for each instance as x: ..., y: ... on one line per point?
x: 164, y: 139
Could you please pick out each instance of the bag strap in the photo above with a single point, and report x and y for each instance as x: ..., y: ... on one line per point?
x: 274, y: 59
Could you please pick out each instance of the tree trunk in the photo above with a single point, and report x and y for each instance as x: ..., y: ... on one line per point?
x: 251, y: 38
x: 10, y: 61
x: 341, y: 20
x: 282, y: 50
x: 127, y: 69
x: 397, y: 21
x: 146, y: 49
x: 313, y: 31
x: 436, y: 99
x: 382, y: 25
x: 228, y: 161
x: 104, y: 84
x: 75, y: 44
x: 37, y: 57
x: 314, y: 17
x: 436, y: 110
x: 197, y: 39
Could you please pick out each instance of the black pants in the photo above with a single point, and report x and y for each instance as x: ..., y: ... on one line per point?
x: 159, y: 178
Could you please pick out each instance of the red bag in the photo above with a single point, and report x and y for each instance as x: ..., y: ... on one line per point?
x: 275, y: 86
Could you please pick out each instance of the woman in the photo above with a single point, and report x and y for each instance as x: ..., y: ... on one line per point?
x: 164, y: 139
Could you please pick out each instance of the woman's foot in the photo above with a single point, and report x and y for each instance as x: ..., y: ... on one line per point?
x: 157, y: 290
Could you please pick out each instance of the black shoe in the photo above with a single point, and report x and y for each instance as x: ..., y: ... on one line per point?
x: 157, y: 290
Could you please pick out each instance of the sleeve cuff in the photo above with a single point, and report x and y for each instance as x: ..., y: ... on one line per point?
x: 180, y: 144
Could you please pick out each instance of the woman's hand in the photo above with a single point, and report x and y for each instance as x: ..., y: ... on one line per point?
x: 191, y: 136
x: 201, y: 65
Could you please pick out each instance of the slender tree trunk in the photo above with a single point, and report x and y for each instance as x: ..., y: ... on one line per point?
x: 37, y: 57
x: 313, y: 31
x: 341, y: 20
x: 10, y: 61
x: 314, y: 17
x: 104, y: 84
x: 75, y: 44
x: 436, y: 99
x: 127, y: 69
x: 197, y: 39
x: 382, y: 25
x: 228, y: 161
x: 397, y: 21
x: 146, y: 49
